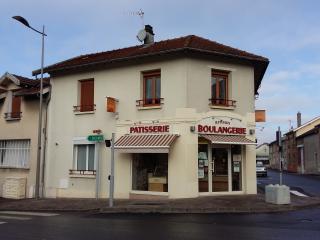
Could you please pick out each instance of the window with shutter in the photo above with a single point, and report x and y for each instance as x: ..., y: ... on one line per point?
x: 86, y: 96
x: 16, y: 107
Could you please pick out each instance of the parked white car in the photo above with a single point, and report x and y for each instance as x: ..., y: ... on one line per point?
x: 261, y: 169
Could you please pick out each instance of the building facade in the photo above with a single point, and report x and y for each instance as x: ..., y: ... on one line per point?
x: 19, y: 111
x: 183, y: 116
x: 299, y: 148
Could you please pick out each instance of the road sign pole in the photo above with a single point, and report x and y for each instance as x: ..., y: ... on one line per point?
x: 112, y: 173
x: 280, y: 154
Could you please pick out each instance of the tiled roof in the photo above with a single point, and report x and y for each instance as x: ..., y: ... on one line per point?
x: 28, y: 82
x: 27, y: 86
x: 187, y: 44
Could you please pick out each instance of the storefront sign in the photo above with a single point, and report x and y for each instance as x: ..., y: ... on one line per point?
x: 221, y: 125
x: 150, y: 129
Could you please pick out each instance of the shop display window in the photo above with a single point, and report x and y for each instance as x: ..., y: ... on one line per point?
x: 150, y: 172
x: 236, y: 168
x: 203, y: 164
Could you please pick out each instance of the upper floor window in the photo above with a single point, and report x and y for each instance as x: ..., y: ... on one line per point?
x: 219, y: 89
x: 152, y: 88
x: 14, y: 108
x: 86, y: 96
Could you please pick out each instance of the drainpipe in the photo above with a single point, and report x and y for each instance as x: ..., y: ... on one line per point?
x: 45, y: 143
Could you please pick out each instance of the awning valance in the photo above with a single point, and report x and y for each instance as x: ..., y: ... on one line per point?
x: 145, y: 143
x: 228, y: 139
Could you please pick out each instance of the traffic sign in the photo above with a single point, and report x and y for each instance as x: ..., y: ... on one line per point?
x: 95, y: 138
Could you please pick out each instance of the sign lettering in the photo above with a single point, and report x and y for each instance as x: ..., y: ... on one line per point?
x: 221, y: 125
x: 150, y: 129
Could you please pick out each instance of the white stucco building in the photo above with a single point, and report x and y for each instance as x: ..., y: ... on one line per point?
x: 19, y: 114
x: 184, y: 121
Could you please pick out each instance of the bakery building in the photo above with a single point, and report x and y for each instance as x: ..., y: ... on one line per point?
x: 183, y: 113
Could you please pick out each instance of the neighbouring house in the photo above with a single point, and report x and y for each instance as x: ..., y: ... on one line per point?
x: 19, y: 111
x: 300, y: 148
x: 182, y: 110
x: 262, y: 154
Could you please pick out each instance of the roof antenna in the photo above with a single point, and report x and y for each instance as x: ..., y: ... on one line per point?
x: 141, y: 14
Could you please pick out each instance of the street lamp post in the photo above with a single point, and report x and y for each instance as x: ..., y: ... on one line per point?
x: 39, y: 147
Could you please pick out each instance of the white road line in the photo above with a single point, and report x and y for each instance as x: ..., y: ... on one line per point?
x: 14, y: 217
x: 29, y: 213
x: 298, y: 193
x: 2, y: 223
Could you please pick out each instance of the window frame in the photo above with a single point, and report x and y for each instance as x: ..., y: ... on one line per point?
x: 82, y: 108
x: 217, y: 100
x: 75, y: 157
x: 10, y: 114
x: 153, y: 74
x: 20, y: 149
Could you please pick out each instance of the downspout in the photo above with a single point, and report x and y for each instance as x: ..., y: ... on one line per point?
x: 45, y: 141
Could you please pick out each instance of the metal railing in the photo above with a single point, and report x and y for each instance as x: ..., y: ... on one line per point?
x: 12, y: 115
x: 82, y: 172
x: 222, y: 102
x: 84, y: 108
x: 148, y: 102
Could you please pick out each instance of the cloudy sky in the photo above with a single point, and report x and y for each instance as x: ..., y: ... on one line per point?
x: 285, y: 31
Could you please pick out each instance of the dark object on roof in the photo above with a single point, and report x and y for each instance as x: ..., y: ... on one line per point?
x: 188, y: 46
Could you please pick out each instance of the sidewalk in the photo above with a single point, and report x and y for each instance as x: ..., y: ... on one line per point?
x: 223, y: 204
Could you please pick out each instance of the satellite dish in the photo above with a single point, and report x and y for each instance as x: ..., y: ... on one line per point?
x: 142, y: 34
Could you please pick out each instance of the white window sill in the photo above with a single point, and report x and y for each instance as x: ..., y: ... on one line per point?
x: 149, y: 107
x: 83, y: 113
x: 222, y: 107
x: 13, y: 119
x: 90, y: 176
x: 12, y: 167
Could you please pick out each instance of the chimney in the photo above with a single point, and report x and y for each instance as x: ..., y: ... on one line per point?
x: 298, y: 119
x: 150, y: 35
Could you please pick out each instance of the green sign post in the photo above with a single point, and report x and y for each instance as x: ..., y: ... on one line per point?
x: 95, y: 138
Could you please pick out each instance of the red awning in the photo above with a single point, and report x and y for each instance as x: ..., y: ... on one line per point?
x: 228, y: 139
x: 145, y: 143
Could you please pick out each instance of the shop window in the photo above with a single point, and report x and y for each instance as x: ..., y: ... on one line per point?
x: 203, y: 168
x: 151, y: 89
x: 15, y: 153
x: 84, y: 157
x: 86, y: 96
x: 150, y: 172
x: 14, y: 108
x: 219, y: 89
x: 236, y: 168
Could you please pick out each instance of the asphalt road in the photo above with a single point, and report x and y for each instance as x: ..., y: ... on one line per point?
x: 290, y: 225
x: 303, y: 183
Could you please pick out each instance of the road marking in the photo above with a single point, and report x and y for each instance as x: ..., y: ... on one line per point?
x: 13, y: 218
x: 298, y: 193
x: 29, y: 213
x: 2, y: 223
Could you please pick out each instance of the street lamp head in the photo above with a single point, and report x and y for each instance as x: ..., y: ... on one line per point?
x: 22, y: 20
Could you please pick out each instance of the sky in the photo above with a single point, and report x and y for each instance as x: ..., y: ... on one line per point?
x: 285, y: 31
